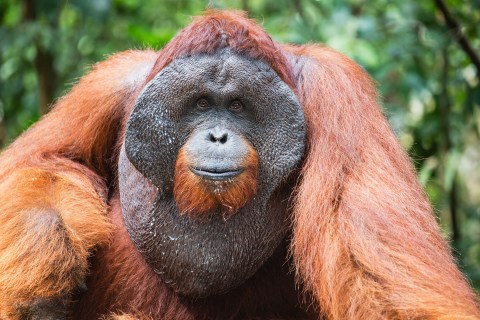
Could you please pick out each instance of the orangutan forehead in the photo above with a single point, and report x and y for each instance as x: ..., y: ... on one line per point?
x: 225, y: 64
x: 224, y: 69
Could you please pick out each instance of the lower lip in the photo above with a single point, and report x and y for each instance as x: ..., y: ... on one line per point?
x: 212, y: 175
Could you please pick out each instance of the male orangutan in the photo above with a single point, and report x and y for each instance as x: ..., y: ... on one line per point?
x: 225, y: 177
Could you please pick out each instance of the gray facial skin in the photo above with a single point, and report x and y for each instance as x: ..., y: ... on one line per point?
x: 203, y: 257
x: 217, y: 153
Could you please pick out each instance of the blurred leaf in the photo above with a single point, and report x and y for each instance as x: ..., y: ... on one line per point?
x: 96, y: 9
x: 453, y: 158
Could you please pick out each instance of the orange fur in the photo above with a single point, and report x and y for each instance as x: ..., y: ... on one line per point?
x: 125, y: 316
x: 48, y: 230
x: 197, y: 197
x: 216, y: 29
x: 365, y: 239
x: 53, y: 186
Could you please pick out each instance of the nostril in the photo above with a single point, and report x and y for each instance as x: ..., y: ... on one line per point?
x: 212, y: 137
x: 218, y: 137
x: 223, y: 139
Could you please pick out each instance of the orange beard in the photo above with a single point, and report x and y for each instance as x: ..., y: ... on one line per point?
x: 199, y: 197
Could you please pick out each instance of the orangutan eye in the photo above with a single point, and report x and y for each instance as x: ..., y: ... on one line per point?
x: 202, y: 104
x: 236, y: 106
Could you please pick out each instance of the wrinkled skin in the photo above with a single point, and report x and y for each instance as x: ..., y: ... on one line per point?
x: 216, y: 106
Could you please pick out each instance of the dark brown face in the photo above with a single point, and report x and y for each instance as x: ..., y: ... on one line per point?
x: 210, y: 141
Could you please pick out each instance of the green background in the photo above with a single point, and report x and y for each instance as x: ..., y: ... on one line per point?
x: 428, y: 81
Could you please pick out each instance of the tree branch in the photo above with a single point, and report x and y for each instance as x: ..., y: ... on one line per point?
x: 245, y: 6
x: 46, y: 74
x: 454, y: 26
x: 444, y: 104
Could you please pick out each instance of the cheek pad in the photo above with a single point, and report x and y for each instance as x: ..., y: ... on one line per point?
x: 152, y: 140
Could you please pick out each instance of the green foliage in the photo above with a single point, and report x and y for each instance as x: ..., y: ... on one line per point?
x: 429, y: 85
